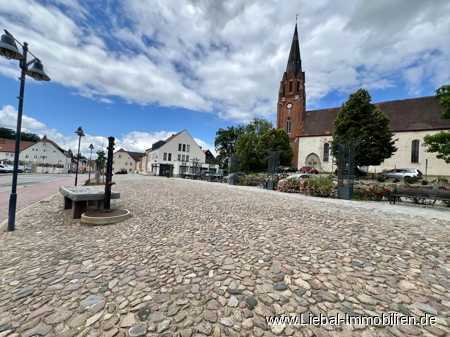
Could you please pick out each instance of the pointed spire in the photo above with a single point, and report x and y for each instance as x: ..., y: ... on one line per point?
x: 294, y: 64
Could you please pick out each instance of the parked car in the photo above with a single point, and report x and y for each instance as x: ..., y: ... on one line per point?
x: 308, y: 169
x: 4, y: 168
x: 299, y: 176
x: 122, y: 171
x: 402, y: 173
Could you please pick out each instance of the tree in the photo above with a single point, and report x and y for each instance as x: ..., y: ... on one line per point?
x: 255, y: 145
x: 443, y: 95
x: 361, y: 123
x: 225, y: 143
x: 11, y: 134
x: 101, y: 160
x: 277, y: 140
x: 439, y: 143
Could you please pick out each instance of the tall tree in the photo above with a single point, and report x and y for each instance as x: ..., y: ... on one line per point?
x: 225, y: 143
x: 439, y: 143
x: 11, y: 134
x: 361, y: 123
x: 277, y: 140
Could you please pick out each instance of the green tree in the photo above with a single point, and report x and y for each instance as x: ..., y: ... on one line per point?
x: 439, y: 143
x: 360, y: 122
x: 256, y: 144
x: 277, y: 140
x: 11, y: 134
x: 101, y: 160
x: 225, y: 143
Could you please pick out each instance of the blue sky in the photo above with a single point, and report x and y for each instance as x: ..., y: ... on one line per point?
x: 142, y: 69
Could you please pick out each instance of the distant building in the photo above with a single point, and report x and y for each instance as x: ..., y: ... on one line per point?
x: 178, y: 155
x: 7, y: 149
x: 128, y: 161
x: 310, y: 132
x: 45, y: 156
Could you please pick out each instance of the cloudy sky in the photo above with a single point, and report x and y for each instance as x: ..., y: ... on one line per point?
x: 142, y: 69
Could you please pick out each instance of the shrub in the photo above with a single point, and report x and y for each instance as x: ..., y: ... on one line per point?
x: 424, y: 182
x: 381, y: 179
x: 320, y: 186
x: 410, y: 180
x: 371, y: 192
x: 252, y: 179
x: 291, y: 185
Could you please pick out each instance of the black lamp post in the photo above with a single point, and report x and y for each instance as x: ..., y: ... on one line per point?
x: 91, y: 147
x: 34, y: 69
x: 80, y: 134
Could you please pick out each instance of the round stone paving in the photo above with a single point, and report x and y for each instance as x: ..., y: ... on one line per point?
x: 206, y: 259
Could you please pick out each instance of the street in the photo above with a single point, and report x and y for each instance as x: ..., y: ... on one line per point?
x: 31, y: 188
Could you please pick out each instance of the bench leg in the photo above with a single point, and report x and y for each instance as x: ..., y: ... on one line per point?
x: 79, y: 207
x: 67, y: 203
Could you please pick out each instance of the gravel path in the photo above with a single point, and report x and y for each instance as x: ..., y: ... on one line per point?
x: 205, y: 259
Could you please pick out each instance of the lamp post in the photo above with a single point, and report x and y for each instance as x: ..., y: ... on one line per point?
x: 80, y: 134
x: 34, y: 69
x: 91, y: 147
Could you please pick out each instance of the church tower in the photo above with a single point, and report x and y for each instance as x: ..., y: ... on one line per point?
x: 292, y: 99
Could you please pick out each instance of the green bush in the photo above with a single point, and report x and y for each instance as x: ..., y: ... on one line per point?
x: 424, y: 182
x: 381, y: 179
x: 290, y: 185
x: 410, y: 180
x: 252, y: 179
x: 371, y: 192
x: 320, y: 186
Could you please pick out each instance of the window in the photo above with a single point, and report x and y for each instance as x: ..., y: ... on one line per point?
x: 326, y: 152
x: 26, y: 156
x: 187, y: 157
x: 184, y: 147
x: 415, y: 151
x: 179, y: 146
x: 165, y: 156
x: 288, y: 125
x: 184, y: 158
x: 188, y: 148
x: 179, y: 157
x: 290, y: 86
x: 284, y: 92
x: 120, y: 156
x: 298, y: 86
x: 170, y: 157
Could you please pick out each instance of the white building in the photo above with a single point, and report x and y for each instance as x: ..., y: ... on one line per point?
x: 45, y: 156
x: 128, y: 161
x: 178, y: 155
x: 410, y: 119
x: 7, y: 149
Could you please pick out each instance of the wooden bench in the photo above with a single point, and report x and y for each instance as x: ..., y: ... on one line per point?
x: 417, y: 194
x: 78, y: 198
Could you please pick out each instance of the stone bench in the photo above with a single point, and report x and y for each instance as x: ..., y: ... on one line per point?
x: 78, y: 198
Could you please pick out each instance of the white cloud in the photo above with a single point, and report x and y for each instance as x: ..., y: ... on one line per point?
x: 137, y: 141
x: 227, y: 57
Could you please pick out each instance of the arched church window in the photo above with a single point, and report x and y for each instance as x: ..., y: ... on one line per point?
x: 288, y: 125
x: 290, y: 86
x: 326, y: 152
x: 415, y: 151
x: 298, y: 86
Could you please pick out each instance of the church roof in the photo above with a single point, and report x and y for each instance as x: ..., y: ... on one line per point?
x: 294, y: 64
x: 415, y: 114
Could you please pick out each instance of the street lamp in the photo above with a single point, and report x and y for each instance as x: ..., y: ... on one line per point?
x: 80, y: 134
x: 91, y: 147
x: 8, y: 49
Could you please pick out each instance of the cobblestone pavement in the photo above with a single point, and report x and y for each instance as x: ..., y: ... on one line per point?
x: 204, y: 259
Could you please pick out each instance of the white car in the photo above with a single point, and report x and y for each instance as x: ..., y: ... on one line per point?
x: 4, y: 168
x: 402, y: 173
x: 299, y: 176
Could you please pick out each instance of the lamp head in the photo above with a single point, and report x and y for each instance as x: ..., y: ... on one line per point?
x: 8, y: 47
x: 79, y: 132
x: 37, y: 71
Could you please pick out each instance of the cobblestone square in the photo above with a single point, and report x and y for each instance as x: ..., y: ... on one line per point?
x: 207, y: 259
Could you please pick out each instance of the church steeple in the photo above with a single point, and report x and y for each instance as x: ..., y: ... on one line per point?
x: 294, y: 64
x: 292, y: 98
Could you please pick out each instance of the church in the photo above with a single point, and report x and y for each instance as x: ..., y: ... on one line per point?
x: 310, y: 131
